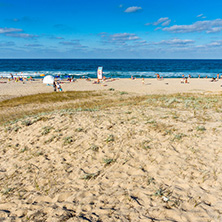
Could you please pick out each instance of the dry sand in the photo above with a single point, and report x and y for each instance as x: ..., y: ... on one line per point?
x: 150, y: 86
x: 128, y: 163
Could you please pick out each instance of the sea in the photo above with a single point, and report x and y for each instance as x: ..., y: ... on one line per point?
x: 113, y: 68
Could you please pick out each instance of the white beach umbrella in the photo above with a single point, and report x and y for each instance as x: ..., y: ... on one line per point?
x: 48, y: 79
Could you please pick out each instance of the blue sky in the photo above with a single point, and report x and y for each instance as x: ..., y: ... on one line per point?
x: 160, y: 29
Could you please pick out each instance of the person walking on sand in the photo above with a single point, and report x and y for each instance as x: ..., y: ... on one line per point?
x: 54, y: 86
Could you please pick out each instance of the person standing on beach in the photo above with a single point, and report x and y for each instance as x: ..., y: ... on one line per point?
x: 59, y: 86
x: 54, y: 86
x: 157, y: 76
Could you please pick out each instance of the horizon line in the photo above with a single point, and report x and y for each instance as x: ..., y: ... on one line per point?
x: 110, y: 58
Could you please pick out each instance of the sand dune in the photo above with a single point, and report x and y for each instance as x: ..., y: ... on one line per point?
x: 126, y: 163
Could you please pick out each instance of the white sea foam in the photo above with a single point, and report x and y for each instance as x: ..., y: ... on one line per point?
x: 114, y: 74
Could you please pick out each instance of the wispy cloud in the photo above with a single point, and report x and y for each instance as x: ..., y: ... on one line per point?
x: 14, y: 32
x: 201, y: 16
x: 214, y: 30
x: 175, y: 42
x: 141, y: 43
x: 163, y: 21
x: 216, y: 43
x: 53, y: 37
x: 166, y: 23
x: 73, y: 43
x: 209, y: 26
x: 133, y: 9
x: 118, y: 38
x: 157, y: 28
x: 22, y: 19
x: 33, y: 45
x: 124, y: 36
x: 59, y: 37
x: 22, y: 35
x: 9, y: 30
x: 67, y: 43
x: 213, y: 44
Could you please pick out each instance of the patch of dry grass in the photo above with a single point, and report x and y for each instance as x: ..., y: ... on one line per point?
x: 21, y: 107
x: 48, y: 98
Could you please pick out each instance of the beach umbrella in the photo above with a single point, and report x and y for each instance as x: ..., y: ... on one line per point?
x: 42, y: 75
x: 48, y: 79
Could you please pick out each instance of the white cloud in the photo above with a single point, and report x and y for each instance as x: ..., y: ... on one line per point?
x: 200, y: 15
x: 22, y: 35
x: 124, y: 36
x: 33, y: 45
x: 211, y: 45
x: 165, y: 22
x: 118, y: 38
x: 175, y: 41
x: 133, y: 9
x: 142, y: 41
x: 217, y: 43
x: 157, y: 28
x: 160, y: 21
x: 209, y: 26
x: 73, y: 43
x: 68, y: 43
x: 214, y: 30
x: 14, y: 32
x: 8, y: 30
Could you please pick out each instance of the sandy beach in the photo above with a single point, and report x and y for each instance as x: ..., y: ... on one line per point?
x: 150, y: 86
x: 125, y: 151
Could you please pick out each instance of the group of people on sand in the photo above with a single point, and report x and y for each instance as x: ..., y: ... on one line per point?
x: 104, y: 79
x: 185, y: 79
x: 17, y: 78
x: 57, y: 86
x: 214, y: 79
